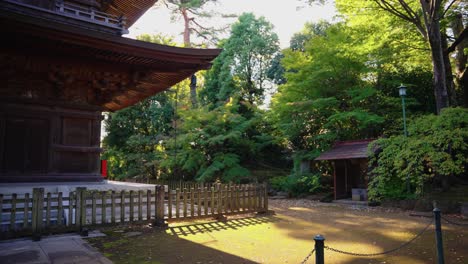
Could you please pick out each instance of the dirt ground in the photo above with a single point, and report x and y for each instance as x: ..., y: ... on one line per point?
x: 287, y: 237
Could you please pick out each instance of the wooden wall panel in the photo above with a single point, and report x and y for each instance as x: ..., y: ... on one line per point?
x: 76, y: 131
x: 47, y: 143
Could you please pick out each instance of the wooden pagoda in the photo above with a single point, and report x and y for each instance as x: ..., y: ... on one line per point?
x: 63, y: 63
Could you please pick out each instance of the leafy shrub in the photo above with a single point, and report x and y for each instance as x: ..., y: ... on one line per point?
x: 434, y: 150
x: 297, y: 184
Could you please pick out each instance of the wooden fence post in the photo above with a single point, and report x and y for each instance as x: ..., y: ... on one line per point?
x: 148, y: 205
x: 81, y: 210
x: 13, y: 212
x: 37, y: 211
x: 262, y: 199
x: 26, y: 211
x: 159, y: 221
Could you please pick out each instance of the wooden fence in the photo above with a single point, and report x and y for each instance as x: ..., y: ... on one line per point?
x: 216, y: 201
x: 54, y: 213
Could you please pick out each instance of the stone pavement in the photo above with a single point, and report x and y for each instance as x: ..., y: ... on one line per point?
x: 64, y: 249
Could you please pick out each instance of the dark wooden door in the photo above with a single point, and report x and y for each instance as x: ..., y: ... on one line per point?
x: 25, y: 145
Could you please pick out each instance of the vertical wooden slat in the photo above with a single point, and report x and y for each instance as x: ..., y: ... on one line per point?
x: 192, y: 202
x: 25, y: 211
x: 230, y: 205
x: 93, y: 208
x: 254, y: 197
x: 241, y: 198
x: 258, y: 196
x: 265, y: 201
x: 232, y: 199
x: 1, y: 204
x: 131, y: 206
x: 48, y: 209
x: 169, y: 203
x: 148, y: 205
x: 199, y: 205
x: 83, y: 208
x: 184, y: 196
x: 113, y: 207
x: 237, y: 199
x: 177, y: 203
x: 205, y: 201
x: 38, y: 206
x: 250, y: 197
x: 220, y: 201
x: 245, y: 197
x: 212, y: 200
x: 122, y: 207
x: 13, y: 211
x: 159, y: 220
x: 70, y: 208
x: 60, y: 209
x: 103, y: 207
x: 226, y: 198
x: 78, y: 209
x: 140, y: 205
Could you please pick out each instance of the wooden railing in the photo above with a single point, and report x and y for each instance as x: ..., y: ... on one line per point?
x: 55, y: 213
x: 89, y: 14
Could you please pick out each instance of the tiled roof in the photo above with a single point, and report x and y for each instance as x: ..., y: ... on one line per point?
x: 346, y: 150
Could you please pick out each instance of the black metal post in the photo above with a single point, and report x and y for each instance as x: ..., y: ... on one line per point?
x: 319, y: 245
x: 438, y: 233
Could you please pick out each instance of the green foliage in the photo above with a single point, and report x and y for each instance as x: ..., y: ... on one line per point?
x: 297, y: 184
x: 214, y: 144
x: 435, y: 149
x: 132, y: 145
x: 240, y: 71
x: 160, y: 39
x: 325, y: 98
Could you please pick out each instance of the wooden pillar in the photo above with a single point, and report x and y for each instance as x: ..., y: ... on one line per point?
x: 334, y: 178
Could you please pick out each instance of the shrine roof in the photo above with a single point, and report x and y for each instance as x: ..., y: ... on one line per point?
x: 159, y: 67
x: 354, y: 149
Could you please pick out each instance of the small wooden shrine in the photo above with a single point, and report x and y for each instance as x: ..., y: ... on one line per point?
x: 349, y: 168
x: 62, y: 64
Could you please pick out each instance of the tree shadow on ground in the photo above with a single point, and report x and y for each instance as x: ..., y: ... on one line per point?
x: 156, y: 245
x: 371, y: 231
x: 231, y: 224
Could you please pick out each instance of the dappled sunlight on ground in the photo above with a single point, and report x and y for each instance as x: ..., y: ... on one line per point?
x: 287, y: 237
x: 302, y: 209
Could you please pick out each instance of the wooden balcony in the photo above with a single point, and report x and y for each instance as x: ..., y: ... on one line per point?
x: 68, y: 13
x: 90, y: 15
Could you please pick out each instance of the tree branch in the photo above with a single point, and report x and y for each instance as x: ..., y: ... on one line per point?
x: 448, y: 7
x: 410, y: 15
x: 463, y: 35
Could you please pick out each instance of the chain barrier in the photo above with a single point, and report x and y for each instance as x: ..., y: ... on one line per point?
x: 308, y: 256
x: 384, y: 252
x: 454, y: 223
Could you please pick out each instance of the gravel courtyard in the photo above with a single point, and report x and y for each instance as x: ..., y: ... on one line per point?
x: 287, y: 237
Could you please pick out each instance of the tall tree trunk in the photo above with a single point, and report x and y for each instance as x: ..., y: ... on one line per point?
x: 452, y: 95
x: 431, y: 21
x: 438, y: 65
x: 461, y: 59
x: 188, y: 44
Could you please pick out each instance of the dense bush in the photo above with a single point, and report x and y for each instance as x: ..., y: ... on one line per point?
x: 297, y: 184
x: 434, y: 151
